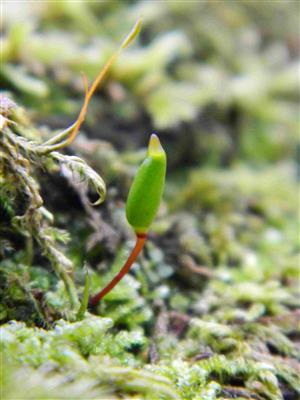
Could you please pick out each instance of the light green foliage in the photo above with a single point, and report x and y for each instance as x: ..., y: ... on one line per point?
x: 83, y: 350
x: 242, y: 308
x: 18, y: 183
x: 210, y: 309
x: 80, y: 172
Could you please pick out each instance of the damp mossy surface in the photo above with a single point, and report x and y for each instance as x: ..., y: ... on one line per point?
x: 210, y: 310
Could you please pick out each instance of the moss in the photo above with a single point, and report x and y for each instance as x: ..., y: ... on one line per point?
x: 210, y: 310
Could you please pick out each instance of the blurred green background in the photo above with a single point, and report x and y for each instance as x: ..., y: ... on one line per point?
x: 211, y: 309
x: 218, y: 80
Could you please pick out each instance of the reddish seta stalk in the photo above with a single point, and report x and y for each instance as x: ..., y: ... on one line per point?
x: 140, y: 241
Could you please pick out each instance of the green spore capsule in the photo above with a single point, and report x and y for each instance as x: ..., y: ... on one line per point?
x: 141, y: 207
x: 146, y: 191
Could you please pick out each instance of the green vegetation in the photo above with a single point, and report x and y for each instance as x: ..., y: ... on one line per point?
x: 210, y: 309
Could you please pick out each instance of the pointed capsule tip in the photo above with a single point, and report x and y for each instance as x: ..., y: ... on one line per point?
x: 154, y: 144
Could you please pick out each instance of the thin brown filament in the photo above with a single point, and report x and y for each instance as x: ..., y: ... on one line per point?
x: 73, y: 130
x: 140, y: 241
x: 89, y: 95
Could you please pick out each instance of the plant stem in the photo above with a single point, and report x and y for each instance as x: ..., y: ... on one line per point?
x: 67, y: 136
x: 60, y: 136
x: 140, y: 241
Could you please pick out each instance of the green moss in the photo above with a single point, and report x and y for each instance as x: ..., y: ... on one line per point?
x: 210, y: 309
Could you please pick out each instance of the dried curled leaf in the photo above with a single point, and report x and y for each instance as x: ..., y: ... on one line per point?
x: 77, y: 169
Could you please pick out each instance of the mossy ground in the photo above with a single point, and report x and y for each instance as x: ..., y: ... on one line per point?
x: 211, y: 309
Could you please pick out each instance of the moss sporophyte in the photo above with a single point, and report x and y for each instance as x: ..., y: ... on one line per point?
x: 142, y: 205
x: 67, y: 136
x: 147, y: 188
